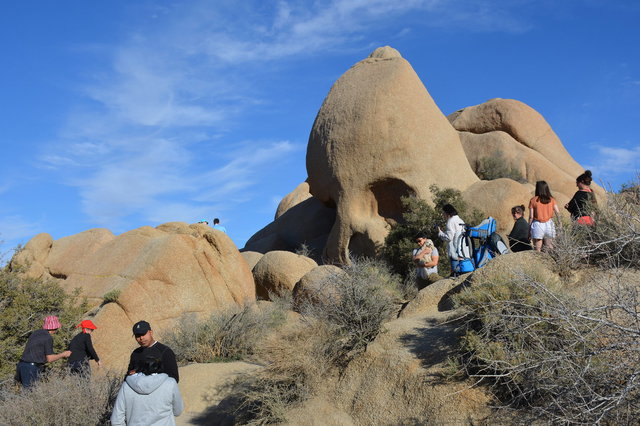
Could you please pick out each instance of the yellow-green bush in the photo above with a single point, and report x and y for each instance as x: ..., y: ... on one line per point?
x: 24, y: 303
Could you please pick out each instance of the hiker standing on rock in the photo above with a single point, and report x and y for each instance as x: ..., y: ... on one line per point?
x: 82, y: 351
x: 583, y: 201
x: 38, y: 351
x: 150, y: 348
x: 216, y: 225
x: 542, y: 208
x: 454, y: 227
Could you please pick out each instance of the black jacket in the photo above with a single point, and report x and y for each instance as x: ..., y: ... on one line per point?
x: 159, y: 351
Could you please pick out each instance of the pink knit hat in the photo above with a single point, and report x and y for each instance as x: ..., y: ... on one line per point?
x: 51, y: 323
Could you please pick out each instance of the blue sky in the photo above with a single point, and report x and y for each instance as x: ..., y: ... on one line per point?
x: 121, y: 114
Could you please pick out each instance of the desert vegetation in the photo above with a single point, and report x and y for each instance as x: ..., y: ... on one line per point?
x: 231, y: 334
x: 495, y: 166
x: 60, y: 398
x: 24, y: 302
x: 552, y: 352
x: 336, y: 326
x: 420, y: 216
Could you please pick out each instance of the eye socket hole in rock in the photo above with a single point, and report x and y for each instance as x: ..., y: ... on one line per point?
x: 388, y: 193
x: 361, y: 245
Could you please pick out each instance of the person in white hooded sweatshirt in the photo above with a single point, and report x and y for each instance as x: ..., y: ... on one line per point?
x: 147, y: 397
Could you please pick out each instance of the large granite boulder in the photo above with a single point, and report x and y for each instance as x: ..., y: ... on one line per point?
x: 158, y: 274
x: 377, y: 137
x: 316, y: 284
x: 278, y: 272
x: 306, y: 223
x: 523, y: 138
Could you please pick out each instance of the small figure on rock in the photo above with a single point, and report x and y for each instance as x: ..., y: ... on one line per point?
x: 216, y: 225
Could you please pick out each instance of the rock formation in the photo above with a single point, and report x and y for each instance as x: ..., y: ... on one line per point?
x: 523, y: 138
x: 158, y: 274
x: 379, y: 136
x: 375, y: 140
x: 278, y: 272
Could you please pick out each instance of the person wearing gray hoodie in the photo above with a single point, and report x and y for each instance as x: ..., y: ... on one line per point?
x: 147, y: 398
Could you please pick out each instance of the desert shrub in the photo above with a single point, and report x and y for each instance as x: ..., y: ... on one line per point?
x: 230, y: 334
x: 297, y: 363
x: 24, y: 302
x: 550, y: 356
x: 111, y: 296
x: 495, y: 166
x: 304, y: 250
x: 356, y: 304
x: 420, y: 216
x: 613, y: 242
x: 60, y: 398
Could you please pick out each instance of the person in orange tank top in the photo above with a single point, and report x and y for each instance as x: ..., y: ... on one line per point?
x: 542, y: 208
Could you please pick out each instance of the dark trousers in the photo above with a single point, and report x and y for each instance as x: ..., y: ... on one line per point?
x: 29, y: 372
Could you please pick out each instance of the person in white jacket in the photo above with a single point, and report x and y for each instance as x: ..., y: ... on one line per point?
x: 455, y: 227
x: 148, y: 397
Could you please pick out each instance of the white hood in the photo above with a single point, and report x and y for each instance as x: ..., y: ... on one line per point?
x: 145, y: 385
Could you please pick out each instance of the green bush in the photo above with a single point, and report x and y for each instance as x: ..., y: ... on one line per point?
x: 60, y: 398
x: 230, y: 334
x: 111, y: 296
x: 24, y: 302
x: 551, y: 357
x: 420, y: 216
x: 496, y: 166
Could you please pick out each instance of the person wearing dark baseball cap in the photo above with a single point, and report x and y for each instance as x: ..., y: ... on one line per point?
x: 150, y: 348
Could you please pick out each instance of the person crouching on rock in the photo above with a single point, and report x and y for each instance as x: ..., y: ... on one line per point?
x: 38, y: 351
x: 519, y: 235
x: 148, y: 397
x: 82, y: 351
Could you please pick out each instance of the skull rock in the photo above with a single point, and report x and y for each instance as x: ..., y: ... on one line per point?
x: 379, y: 136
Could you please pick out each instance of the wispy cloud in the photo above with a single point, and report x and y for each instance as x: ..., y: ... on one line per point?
x: 613, y: 162
x: 172, y: 89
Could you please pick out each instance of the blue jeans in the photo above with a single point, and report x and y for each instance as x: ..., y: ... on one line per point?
x: 29, y: 372
x: 454, y: 266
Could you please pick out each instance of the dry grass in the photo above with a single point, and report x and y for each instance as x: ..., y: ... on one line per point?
x: 553, y: 357
x: 60, y: 399
x: 231, y: 334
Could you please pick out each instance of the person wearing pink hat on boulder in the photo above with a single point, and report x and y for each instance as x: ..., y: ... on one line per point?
x: 82, y: 351
x: 38, y: 351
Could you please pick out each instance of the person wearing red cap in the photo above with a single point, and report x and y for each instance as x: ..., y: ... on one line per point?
x: 82, y: 350
x: 38, y: 351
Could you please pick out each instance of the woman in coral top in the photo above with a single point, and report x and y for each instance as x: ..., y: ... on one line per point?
x: 542, y: 207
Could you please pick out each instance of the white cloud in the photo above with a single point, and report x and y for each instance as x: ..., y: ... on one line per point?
x: 133, y: 147
x: 614, y: 162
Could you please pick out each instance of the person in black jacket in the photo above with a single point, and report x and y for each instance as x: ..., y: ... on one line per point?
x: 583, y: 201
x: 82, y: 351
x: 519, y: 235
x: 150, y: 348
